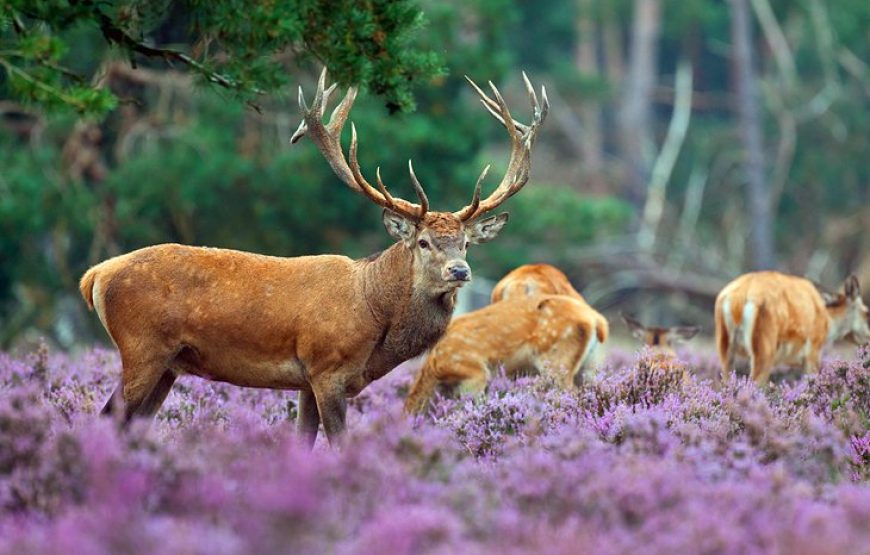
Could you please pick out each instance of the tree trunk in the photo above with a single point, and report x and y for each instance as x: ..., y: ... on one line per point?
x: 635, y: 114
x: 586, y: 59
x: 758, y: 197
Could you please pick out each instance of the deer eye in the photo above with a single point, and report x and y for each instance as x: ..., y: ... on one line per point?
x: 423, y: 244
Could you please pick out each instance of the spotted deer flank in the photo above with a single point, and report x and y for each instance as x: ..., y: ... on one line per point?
x: 551, y: 334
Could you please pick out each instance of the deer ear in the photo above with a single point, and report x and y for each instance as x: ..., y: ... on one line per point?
x: 852, y: 288
x: 487, y: 229
x: 399, y: 227
x: 635, y: 327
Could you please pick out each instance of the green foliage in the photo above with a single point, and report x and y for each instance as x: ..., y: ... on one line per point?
x: 196, y: 165
x: 371, y: 43
x: 548, y: 234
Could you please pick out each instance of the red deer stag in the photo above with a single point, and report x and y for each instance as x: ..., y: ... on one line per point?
x: 775, y: 318
x: 539, y: 333
x: 324, y: 325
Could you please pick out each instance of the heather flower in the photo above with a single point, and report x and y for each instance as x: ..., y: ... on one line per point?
x: 642, y: 458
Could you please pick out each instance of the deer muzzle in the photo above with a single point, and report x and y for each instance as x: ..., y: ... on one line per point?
x: 457, y: 271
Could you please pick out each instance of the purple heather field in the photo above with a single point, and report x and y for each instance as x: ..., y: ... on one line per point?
x: 637, y: 460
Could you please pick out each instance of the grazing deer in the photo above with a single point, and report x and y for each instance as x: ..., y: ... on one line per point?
x: 533, y: 279
x: 660, y: 340
x: 324, y: 325
x: 775, y: 318
x: 529, y: 280
x: 543, y: 332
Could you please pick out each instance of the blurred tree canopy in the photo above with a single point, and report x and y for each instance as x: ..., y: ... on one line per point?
x: 124, y: 124
x: 368, y: 43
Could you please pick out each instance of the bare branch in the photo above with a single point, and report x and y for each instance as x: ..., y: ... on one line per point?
x: 664, y: 163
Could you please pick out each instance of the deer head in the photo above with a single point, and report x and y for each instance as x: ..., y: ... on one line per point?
x: 660, y: 338
x: 848, y: 312
x: 438, y: 241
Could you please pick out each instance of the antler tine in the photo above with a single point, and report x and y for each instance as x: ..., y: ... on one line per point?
x: 421, y: 194
x: 466, y: 213
x: 531, y: 90
x: 327, y: 138
x: 522, y: 137
x: 383, y: 187
x: 318, y: 96
x: 492, y: 106
x: 339, y: 116
x: 504, y: 112
x: 384, y: 199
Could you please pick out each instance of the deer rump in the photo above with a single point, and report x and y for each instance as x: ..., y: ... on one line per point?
x: 771, y: 318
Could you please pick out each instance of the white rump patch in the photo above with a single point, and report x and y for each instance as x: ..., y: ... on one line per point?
x: 750, y: 311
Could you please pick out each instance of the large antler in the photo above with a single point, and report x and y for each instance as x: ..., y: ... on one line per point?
x: 328, y: 140
x: 522, y: 137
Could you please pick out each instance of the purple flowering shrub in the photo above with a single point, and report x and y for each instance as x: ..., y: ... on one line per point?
x: 647, y: 456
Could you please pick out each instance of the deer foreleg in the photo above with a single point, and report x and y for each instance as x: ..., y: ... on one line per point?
x: 332, y: 406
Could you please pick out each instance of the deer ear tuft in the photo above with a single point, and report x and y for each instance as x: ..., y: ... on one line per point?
x: 637, y: 329
x: 852, y: 288
x: 399, y: 227
x: 486, y: 229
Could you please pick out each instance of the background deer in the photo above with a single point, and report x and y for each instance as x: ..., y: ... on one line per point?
x: 543, y: 279
x: 775, y: 318
x: 540, y: 333
x: 534, y: 279
x: 324, y: 325
x: 661, y: 340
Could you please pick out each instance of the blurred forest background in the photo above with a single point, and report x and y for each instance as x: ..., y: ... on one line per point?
x: 688, y: 140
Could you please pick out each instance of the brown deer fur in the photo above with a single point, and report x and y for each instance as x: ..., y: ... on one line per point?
x: 774, y: 318
x: 544, y: 332
x: 533, y: 279
x: 324, y: 325
x: 529, y: 280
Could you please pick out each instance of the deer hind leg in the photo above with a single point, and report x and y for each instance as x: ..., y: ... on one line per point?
x: 728, y: 336
x: 724, y: 348
x: 152, y: 403
x: 561, y: 363
x: 307, y: 417
x: 565, y: 358
x: 761, y: 360
x: 145, y: 383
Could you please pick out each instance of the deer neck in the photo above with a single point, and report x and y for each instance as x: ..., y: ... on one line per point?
x: 838, y: 324
x: 413, y: 318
